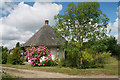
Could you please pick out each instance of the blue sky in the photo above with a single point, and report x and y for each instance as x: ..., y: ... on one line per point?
x: 20, y: 20
x: 109, y: 8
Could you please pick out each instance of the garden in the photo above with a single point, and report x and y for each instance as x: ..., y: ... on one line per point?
x: 89, y: 49
x: 99, y: 63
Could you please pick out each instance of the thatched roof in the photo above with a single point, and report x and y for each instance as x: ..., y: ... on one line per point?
x: 45, y: 36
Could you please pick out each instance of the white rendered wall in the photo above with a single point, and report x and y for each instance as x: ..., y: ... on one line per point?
x: 54, y: 53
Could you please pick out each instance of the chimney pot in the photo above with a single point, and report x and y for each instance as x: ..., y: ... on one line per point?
x: 46, y: 22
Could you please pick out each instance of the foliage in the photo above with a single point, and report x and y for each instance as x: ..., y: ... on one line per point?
x: 111, y: 68
x: 6, y: 75
x: 39, y: 56
x: 105, y: 45
x: 81, y: 22
x: 4, y: 48
x: 0, y: 49
x: 91, y: 54
x: 86, y: 58
x: 49, y: 63
x: 3, y: 54
x: 9, y: 59
x: 4, y: 57
x: 100, y: 58
x: 61, y: 63
x: 112, y: 45
x: 17, y: 44
x: 98, y: 45
x: 15, y: 57
x: 72, y: 54
x: 0, y: 58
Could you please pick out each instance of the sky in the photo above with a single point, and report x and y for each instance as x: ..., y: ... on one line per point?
x: 20, y: 20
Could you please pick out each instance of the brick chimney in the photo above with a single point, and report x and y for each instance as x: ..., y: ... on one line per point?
x: 46, y: 22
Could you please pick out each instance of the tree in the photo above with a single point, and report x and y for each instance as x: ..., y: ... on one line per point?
x: 105, y: 45
x: 16, y: 56
x: 112, y: 45
x: 82, y: 22
x: 18, y: 44
x: 2, y: 48
x: 4, y: 56
x: 79, y: 23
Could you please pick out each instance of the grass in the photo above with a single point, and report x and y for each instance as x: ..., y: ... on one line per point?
x: 111, y: 68
x: 8, y: 76
x: 11, y: 70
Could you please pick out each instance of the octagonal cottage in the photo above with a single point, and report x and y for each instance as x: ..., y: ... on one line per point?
x: 46, y: 36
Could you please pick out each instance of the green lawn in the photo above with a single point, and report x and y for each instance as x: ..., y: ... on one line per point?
x: 109, y: 69
x: 7, y: 76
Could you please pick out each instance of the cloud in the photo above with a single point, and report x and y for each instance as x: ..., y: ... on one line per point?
x: 24, y: 20
x: 119, y: 24
x: 119, y: 12
x: 119, y: 38
x: 114, y: 28
x: 26, y: 17
x: 6, y: 7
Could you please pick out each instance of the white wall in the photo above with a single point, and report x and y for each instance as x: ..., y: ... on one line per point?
x: 54, y: 53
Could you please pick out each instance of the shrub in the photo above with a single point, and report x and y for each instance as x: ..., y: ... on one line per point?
x: 49, y: 63
x: 105, y: 45
x: 1, y: 57
x: 87, y: 58
x: 15, y: 57
x: 3, y: 54
x: 101, y: 57
x: 61, y: 63
x: 113, y: 47
x: 4, y: 57
x: 9, y: 59
x: 73, y: 55
x: 6, y: 76
x: 39, y: 56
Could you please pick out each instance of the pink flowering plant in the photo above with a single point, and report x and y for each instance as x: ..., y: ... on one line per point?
x: 38, y: 56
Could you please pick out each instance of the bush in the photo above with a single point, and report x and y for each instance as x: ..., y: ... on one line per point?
x: 4, y: 57
x: 6, y: 76
x: 15, y: 57
x: 61, y: 63
x: 87, y: 58
x: 0, y: 57
x: 101, y: 57
x: 39, y: 56
x: 105, y: 45
x: 73, y: 55
x: 49, y: 63
x: 3, y: 54
x: 9, y: 59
